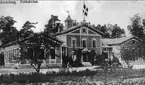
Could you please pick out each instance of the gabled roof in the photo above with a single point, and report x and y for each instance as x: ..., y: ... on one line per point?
x: 48, y: 39
x: 77, y: 27
x: 118, y: 41
x: 42, y: 39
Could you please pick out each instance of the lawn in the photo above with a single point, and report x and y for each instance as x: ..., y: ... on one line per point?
x: 82, y: 75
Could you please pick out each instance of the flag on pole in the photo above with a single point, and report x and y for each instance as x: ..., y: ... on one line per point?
x: 85, y: 10
x: 68, y: 12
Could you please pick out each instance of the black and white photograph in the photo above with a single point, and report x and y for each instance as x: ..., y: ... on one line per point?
x: 72, y: 42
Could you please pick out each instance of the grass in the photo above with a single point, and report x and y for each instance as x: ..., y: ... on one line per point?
x: 99, y: 75
x: 120, y: 74
x: 48, y: 77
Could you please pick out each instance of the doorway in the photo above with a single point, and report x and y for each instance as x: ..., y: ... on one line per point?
x: 106, y: 54
x: 85, y: 57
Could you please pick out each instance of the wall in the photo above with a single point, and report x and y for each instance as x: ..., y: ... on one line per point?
x: 131, y: 48
x: 12, y: 52
x: 89, y: 42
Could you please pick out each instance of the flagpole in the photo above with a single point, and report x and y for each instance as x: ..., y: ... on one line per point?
x: 83, y: 5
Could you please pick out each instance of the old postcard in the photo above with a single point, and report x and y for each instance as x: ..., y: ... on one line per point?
x: 72, y: 42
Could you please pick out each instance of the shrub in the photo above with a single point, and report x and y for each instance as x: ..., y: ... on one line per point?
x: 39, y: 77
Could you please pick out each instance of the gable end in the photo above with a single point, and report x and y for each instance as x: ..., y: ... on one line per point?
x: 76, y: 31
x: 90, y: 32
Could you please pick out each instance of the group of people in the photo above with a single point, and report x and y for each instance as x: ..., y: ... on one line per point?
x: 69, y: 62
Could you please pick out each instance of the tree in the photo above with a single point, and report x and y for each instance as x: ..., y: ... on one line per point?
x: 35, y: 47
x: 77, y: 62
x: 8, y: 31
x: 31, y: 44
x: 53, y: 25
x: 132, y: 51
x: 103, y: 29
x: 100, y: 59
x: 111, y: 31
x: 6, y: 23
x: 26, y: 30
x: 32, y: 49
x: 117, y: 32
x: 135, y: 28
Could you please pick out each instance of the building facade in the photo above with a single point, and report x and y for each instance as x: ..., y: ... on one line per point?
x: 76, y: 36
x: 12, y: 55
x: 125, y: 48
x: 82, y: 36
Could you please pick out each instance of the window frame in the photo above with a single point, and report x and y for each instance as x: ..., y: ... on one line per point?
x: 93, y: 43
x: 85, y: 31
x: 133, y: 42
x: 73, y: 45
x: 52, y: 57
x: 85, y: 42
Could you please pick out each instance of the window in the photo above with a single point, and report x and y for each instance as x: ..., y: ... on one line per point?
x: 84, y: 31
x: 52, y: 53
x: 133, y: 41
x: 94, y: 43
x: 84, y: 43
x: 105, y: 54
x: 73, y: 42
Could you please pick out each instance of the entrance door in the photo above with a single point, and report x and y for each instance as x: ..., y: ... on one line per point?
x: 85, y: 57
x: 106, y: 55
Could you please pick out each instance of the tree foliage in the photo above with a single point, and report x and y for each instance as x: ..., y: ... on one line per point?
x: 117, y: 32
x: 114, y: 31
x: 8, y: 31
x: 103, y: 29
x: 131, y: 51
x: 6, y: 23
x: 26, y: 30
x: 31, y: 44
x: 135, y: 27
x: 53, y: 25
x: 32, y: 49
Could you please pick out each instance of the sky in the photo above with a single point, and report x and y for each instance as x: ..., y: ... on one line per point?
x: 100, y: 12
